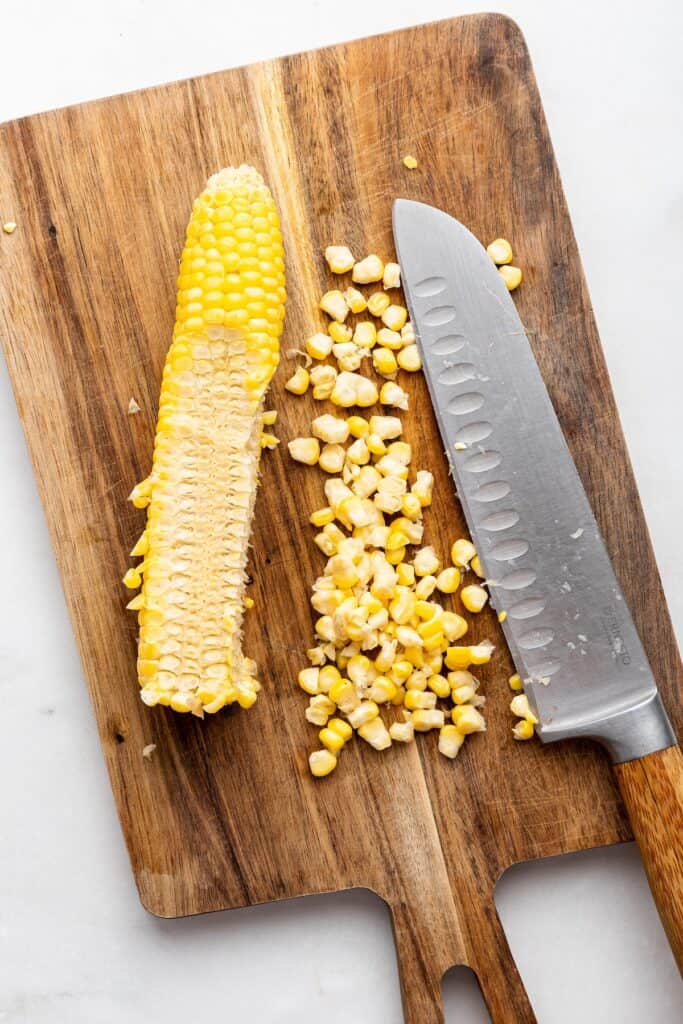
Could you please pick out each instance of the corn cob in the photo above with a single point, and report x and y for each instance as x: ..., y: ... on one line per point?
x: 200, y: 493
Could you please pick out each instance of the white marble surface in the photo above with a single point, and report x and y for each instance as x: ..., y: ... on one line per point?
x: 75, y: 945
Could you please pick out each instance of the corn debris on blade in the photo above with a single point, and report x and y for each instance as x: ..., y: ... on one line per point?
x: 201, y: 491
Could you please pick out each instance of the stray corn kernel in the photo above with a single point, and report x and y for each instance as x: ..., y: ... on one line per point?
x: 402, y: 732
x: 319, y: 346
x: 384, y: 361
x: 365, y: 334
x: 133, y: 407
x: 9, y: 227
x: 450, y: 741
x: 520, y: 706
x: 323, y: 379
x: 386, y: 427
x: 269, y: 441
x: 308, y: 680
x: 410, y: 162
x: 394, y: 395
x: 355, y: 300
x: 378, y: 302
x: 392, y: 276
x: 368, y: 271
x: 409, y: 359
x: 426, y: 562
x: 331, y: 429
x: 358, y: 426
x: 502, y: 616
x: 334, y: 304
x: 462, y: 552
x: 467, y: 719
x: 305, y: 449
x: 515, y: 682
x: 331, y: 458
x: 474, y: 597
x: 512, y: 276
x: 523, y: 730
x: 425, y: 719
x: 321, y: 763
x: 500, y: 251
x: 340, y: 333
x: 339, y: 259
x: 448, y: 580
x: 394, y: 317
x: 375, y: 733
x: 475, y: 566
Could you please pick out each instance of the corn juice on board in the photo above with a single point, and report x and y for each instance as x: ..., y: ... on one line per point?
x: 224, y: 812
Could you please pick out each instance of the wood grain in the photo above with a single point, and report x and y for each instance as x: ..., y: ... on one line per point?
x: 226, y: 814
x: 652, y: 789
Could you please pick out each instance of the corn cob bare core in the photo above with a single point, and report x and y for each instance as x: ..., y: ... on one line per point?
x: 204, y: 475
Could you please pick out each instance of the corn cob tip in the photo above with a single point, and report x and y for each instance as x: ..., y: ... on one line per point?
x: 235, y: 177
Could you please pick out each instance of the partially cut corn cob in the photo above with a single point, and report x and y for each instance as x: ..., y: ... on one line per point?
x: 200, y: 493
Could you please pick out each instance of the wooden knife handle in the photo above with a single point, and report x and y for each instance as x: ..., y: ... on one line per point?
x: 652, y: 789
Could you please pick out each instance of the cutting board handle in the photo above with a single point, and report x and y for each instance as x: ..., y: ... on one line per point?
x: 422, y: 963
x: 652, y: 789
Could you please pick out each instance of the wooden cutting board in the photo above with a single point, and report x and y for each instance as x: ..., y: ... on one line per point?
x: 226, y: 814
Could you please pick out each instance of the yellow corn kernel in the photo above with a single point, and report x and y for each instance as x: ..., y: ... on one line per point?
x: 331, y: 739
x: 339, y: 259
x: 415, y: 699
x: 520, y: 706
x: 410, y: 506
x: 319, y: 346
x: 132, y: 579
x: 475, y: 566
x: 515, y: 682
x: 353, y: 389
x: 141, y: 495
x: 331, y: 429
x: 425, y: 587
x: 358, y: 426
x: 424, y: 719
x: 323, y: 379
x: 502, y: 616
x: 299, y: 381
x: 377, y: 303
x: 340, y: 334
x: 321, y: 517
x: 426, y: 562
x: 408, y: 334
x: 423, y: 487
x: 368, y: 270
x: 364, y: 713
x: 331, y: 458
x: 467, y: 719
x: 512, y: 276
x: 9, y: 227
x: 410, y: 162
x: 136, y: 603
x: 365, y: 334
x: 402, y: 732
x: 358, y: 453
x: 393, y: 394
x: 355, y: 300
x: 394, y: 317
x: 450, y: 741
x: 334, y: 304
x: 319, y: 709
x: 523, y: 730
x: 392, y: 276
x: 401, y: 670
x: 341, y: 727
x: 384, y: 361
x: 304, y: 449
x: 454, y: 626
x: 396, y: 556
x: 448, y: 580
x: 474, y: 597
x: 344, y: 695
x: 409, y: 359
x: 375, y: 733
x: 386, y: 427
x: 439, y: 685
x: 458, y: 657
x: 462, y: 552
x: 463, y: 694
x: 321, y: 763
x: 390, y: 339
x: 269, y: 441
x: 500, y: 251
x: 328, y: 677
x: 308, y: 680
x: 316, y: 656
x: 382, y: 690
x: 405, y: 574
x: 141, y: 546
x: 348, y: 356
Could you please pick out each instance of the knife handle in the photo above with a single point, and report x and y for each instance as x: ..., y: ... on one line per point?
x: 652, y: 790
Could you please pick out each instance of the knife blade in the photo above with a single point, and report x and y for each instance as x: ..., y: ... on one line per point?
x: 567, y: 625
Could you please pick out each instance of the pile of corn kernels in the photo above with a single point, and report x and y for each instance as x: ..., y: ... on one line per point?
x: 387, y: 662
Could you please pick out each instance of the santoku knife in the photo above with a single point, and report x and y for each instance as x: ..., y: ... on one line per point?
x: 567, y: 624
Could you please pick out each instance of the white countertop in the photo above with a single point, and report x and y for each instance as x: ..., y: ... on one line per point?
x: 76, y: 947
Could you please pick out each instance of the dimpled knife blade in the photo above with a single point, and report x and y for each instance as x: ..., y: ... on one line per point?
x: 568, y: 627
